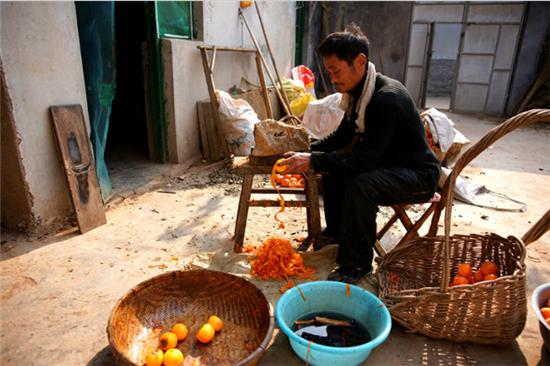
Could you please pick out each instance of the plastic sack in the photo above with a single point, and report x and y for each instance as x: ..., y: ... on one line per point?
x: 306, y: 76
x: 293, y: 88
x: 237, y: 119
x: 298, y: 106
x: 444, y: 140
x: 322, y: 117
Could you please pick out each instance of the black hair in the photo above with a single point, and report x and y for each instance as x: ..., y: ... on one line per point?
x: 346, y: 45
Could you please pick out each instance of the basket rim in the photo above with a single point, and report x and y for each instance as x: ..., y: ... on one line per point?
x: 254, y: 355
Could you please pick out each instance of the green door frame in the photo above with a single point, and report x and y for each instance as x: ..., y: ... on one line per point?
x: 156, y: 83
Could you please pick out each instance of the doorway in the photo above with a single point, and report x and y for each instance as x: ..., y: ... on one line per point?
x: 127, y: 149
x: 441, y: 70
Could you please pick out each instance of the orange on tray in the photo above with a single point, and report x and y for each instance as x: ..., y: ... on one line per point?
x: 545, y: 311
x: 154, y: 357
x: 206, y: 333
x: 168, y: 340
x: 180, y: 330
x: 173, y: 357
x: 215, y: 322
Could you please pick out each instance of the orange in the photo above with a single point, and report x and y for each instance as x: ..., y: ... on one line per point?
x: 478, y: 276
x: 168, y: 340
x: 297, y: 176
x: 545, y: 312
x: 285, y: 182
x: 154, y: 357
x: 287, y: 176
x: 279, y: 168
x: 180, y: 331
x: 216, y: 323
x: 459, y: 280
x: 464, y: 270
x: 490, y: 276
x: 173, y: 357
x: 488, y: 268
x: 206, y: 333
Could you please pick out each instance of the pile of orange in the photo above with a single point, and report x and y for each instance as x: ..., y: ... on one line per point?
x: 290, y: 180
x: 168, y: 355
x: 487, y: 271
x: 545, y: 311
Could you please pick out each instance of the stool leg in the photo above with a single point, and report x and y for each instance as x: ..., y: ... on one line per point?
x: 312, y: 209
x: 242, y: 212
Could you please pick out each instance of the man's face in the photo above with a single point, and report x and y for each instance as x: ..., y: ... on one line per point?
x: 344, y: 76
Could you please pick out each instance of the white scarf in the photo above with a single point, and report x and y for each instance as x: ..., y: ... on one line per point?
x: 368, y: 90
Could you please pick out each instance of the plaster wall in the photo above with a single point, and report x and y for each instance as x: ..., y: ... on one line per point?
x: 41, y: 55
x: 222, y: 27
x: 386, y: 25
x: 16, y: 201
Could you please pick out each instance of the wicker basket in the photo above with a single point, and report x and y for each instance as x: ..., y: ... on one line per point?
x: 414, y: 277
x: 190, y: 297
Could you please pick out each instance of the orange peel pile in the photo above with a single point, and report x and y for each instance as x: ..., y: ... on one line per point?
x: 276, y: 259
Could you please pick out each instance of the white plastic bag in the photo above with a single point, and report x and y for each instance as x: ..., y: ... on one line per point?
x: 322, y: 117
x: 237, y: 120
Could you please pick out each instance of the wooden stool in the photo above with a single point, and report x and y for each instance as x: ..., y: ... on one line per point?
x: 248, y: 167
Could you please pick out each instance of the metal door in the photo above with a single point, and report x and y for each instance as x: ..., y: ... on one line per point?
x: 424, y: 16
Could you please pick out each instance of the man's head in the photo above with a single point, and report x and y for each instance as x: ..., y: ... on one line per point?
x: 345, y: 55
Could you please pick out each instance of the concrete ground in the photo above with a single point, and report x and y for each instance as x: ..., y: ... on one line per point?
x: 57, y: 291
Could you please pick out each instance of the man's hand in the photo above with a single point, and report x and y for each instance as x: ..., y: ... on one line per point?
x: 296, y: 162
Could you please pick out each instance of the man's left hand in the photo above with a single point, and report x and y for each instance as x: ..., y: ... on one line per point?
x: 296, y: 162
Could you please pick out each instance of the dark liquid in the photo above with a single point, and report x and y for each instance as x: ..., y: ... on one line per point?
x: 337, y: 335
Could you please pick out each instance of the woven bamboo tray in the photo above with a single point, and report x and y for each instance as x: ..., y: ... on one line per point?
x: 414, y: 277
x: 190, y: 297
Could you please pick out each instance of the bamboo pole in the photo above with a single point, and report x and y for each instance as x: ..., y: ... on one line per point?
x: 265, y: 92
x: 270, y: 52
x: 281, y: 98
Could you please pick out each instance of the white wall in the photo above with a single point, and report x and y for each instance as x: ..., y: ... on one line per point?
x: 41, y: 55
x: 222, y: 26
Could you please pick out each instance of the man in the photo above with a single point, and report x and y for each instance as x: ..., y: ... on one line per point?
x: 379, y: 154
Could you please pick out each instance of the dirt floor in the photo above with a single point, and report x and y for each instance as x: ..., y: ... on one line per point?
x: 57, y: 291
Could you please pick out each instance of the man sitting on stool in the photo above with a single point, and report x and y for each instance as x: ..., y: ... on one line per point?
x: 378, y: 155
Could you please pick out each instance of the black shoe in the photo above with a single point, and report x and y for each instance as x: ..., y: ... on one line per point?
x: 348, y: 274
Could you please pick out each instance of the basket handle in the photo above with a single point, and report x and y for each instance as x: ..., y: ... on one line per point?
x: 517, y: 121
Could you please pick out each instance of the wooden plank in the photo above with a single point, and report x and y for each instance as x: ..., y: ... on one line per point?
x: 205, y: 147
x: 233, y: 49
x: 76, y: 155
x: 214, y: 100
x: 211, y: 139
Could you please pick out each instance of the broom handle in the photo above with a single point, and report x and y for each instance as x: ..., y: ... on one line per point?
x: 271, y: 53
x: 281, y: 98
x: 519, y: 120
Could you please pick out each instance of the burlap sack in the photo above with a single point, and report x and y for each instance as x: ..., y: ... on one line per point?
x: 275, y: 137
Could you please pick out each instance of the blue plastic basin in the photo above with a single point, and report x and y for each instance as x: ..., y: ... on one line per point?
x: 329, y: 296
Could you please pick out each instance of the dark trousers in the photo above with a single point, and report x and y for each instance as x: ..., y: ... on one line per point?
x: 351, y: 204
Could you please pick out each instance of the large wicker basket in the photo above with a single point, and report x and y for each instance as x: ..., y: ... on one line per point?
x: 414, y: 277
x: 190, y: 297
